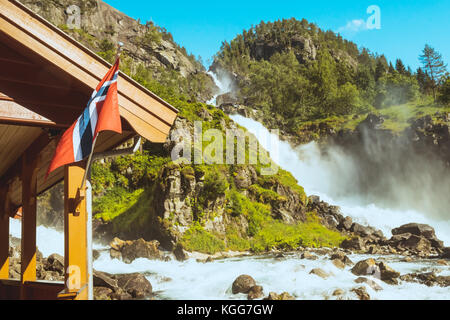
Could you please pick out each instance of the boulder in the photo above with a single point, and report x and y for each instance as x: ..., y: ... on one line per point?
x: 338, y: 263
x: 309, y: 256
x: 445, y: 253
x: 408, y: 241
x: 346, y: 224
x: 429, y: 279
x: 114, y: 254
x: 420, y: 230
x: 375, y: 286
x: 134, y: 284
x: 361, y: 293
x: 355, y: 243
x: 55, y: 262
x: 140, y: 249
x: 365, y: 267
x: 338, y: 292
x: 342, y: 257
x: 255, y: 292
x: 105, y: 280
x: 118, y: 244
x: 102, y: 293
x: 274, y: 296
x: 95, y: 254
x: 320, y: 273
x: 180, y: 253
x: 379, y: 270
x: 243, y: 284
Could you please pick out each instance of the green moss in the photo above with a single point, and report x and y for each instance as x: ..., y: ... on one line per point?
x: 284, y: 178
x: 279, y: 235
x: 235, y: 241
x: 198, y: 239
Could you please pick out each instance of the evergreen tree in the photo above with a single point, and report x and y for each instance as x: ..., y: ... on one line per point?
x: 434, y: 66
x: 400, y: 67
x: 380, y: 69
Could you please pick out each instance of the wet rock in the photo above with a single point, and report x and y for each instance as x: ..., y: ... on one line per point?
x: 429, y: 279
x: 243, y: 284
x: 55, y: 262
x: 255, y: 292
x: 445, y: 253
x: 419, y: 245
x: 388, y: 274
x: 346, y: 224
x: 355, y: 243
x: 338, y: 263
x: 309, y: 256
x: 140, y: 249
x: 274, y: 296
x: 420, y: 230
x: 134, y: 284
x: 365, y: 267
x: 338, y: 292
x: 372, y: 122
x: 379, y: 270
x: 114, y: 254
x: 361, y: 293
x: 320, y: 273
x: 342, y: 257
x: 180, y: 253
x: 105, y: 280
x: 95, y: 254
x: 102, y: 293
x: 375, y: 286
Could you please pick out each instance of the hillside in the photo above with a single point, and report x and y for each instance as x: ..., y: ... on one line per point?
x: 293, y: 75
x: 146, y: 46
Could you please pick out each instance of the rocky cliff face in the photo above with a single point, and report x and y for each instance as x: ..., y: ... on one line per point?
x: 184, y: 195
x: 101, y: 26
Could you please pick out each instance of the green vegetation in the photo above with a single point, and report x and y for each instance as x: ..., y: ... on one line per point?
x: 299, y: 75
x: 197, y: 239
x: 115, y: 202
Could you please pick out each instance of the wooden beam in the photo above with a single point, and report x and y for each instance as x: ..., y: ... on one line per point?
x: 29, y: 201
x: 75, y: 241
x: 37, y: 39
x: 4, y: 236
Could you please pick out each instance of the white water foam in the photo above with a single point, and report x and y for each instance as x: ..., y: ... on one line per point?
x: 316, y: 174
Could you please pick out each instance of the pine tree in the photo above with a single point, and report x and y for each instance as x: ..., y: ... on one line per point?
x: 434, y: 66
x: 380, y: 69
x: 400, y: 67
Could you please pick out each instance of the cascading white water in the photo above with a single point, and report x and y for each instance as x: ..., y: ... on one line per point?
x: 318, y: 175
x: 194, y: 280
x: 224, y: 84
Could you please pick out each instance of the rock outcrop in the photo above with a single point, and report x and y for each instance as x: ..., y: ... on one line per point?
x: 243, y: 284
x: 129, y: 251
x: 121, y: 287
x: 100, y: 24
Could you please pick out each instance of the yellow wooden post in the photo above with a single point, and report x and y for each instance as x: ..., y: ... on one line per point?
x: 4, y: 237
x: 28, y: 243
x: 75, y: 241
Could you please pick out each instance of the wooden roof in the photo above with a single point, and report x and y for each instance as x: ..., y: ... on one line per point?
x: 46, y: 79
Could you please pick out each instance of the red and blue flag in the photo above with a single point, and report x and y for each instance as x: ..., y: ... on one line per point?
x: 101, y: 114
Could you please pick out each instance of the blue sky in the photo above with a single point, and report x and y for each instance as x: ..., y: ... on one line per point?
x: 201, y: 26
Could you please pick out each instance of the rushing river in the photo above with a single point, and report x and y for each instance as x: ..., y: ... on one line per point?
x: 195, y: 280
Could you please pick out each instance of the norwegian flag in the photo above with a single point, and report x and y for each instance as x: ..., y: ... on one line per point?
x: 101, y: 114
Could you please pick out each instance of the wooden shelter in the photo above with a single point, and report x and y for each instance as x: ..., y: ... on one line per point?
x: 46, y: 80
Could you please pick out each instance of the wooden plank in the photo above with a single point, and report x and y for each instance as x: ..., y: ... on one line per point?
x: 71, y: 57
x: 75, y: 239
x: 29, y: 207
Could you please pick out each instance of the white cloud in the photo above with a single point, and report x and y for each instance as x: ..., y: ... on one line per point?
x: 353, y: 27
